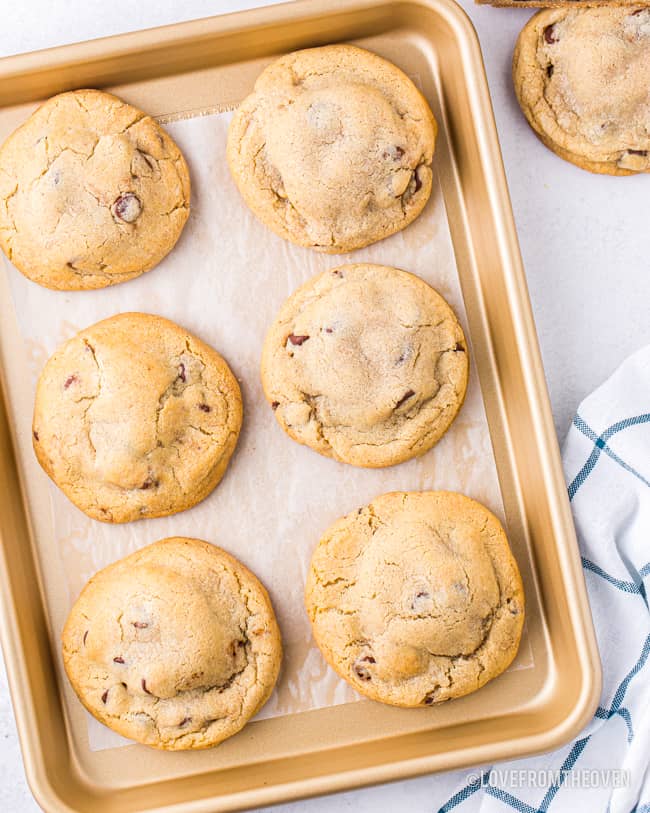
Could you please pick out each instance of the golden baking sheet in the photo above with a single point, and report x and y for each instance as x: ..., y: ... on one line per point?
x: 225, y: 281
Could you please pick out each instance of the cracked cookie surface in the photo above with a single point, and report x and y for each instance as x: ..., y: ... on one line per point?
x: 333, y: 149
x: 135, y: 417
x: 366, y: 364
x: 175, y: 646
x: 582, y: 78
x: 92, y: 192
x: 416, y: 598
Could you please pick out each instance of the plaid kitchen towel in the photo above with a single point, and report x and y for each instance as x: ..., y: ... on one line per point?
x: 607, y: 466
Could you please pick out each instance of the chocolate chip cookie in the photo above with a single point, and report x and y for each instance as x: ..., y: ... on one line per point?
x: 135, y: 417
x: 416, y: 598
x: 175, y: 646
x: 582, y: 78
x: 366, y: 364
x: 333, y: 148
x: 92, y: 192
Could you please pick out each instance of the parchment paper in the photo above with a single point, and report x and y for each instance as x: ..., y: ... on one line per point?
x: 225, y: 281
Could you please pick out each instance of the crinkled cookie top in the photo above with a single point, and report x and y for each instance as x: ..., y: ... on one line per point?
x: 416, y: 598
x: 582, y: 77
x: 135, y: 417
x: 333, y: 149
x: 92, y: 192
x: 175, y: 646
x: 366, y: 364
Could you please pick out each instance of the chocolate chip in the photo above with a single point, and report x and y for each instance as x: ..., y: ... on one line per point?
x: 181, y: 372
x: 70, y: 380
x: 275, y: 405
x: 205, y: 408
x: 408, y: 394
x: 184, y: 721
x: 144, y: 686
x: 362, y: 671
x: 118, y: 660
x: 35, y: 433
x: 85, y: 636
x: 421, y: 594
x: 393, y: 152
x: 643, y: 153
x: 124, y: 685
x: 548, y: 34
x: 140, y: 625
x: 459, y: 348
x: 105, y: 696
x: 418, y: 182
x: 149, y: 483
x: 328, y: 330
x: 549, y: 70
x: 297, y: 339
x: 126, y: 207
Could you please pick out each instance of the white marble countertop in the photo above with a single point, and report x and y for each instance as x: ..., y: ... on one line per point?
x: 585, y: 241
